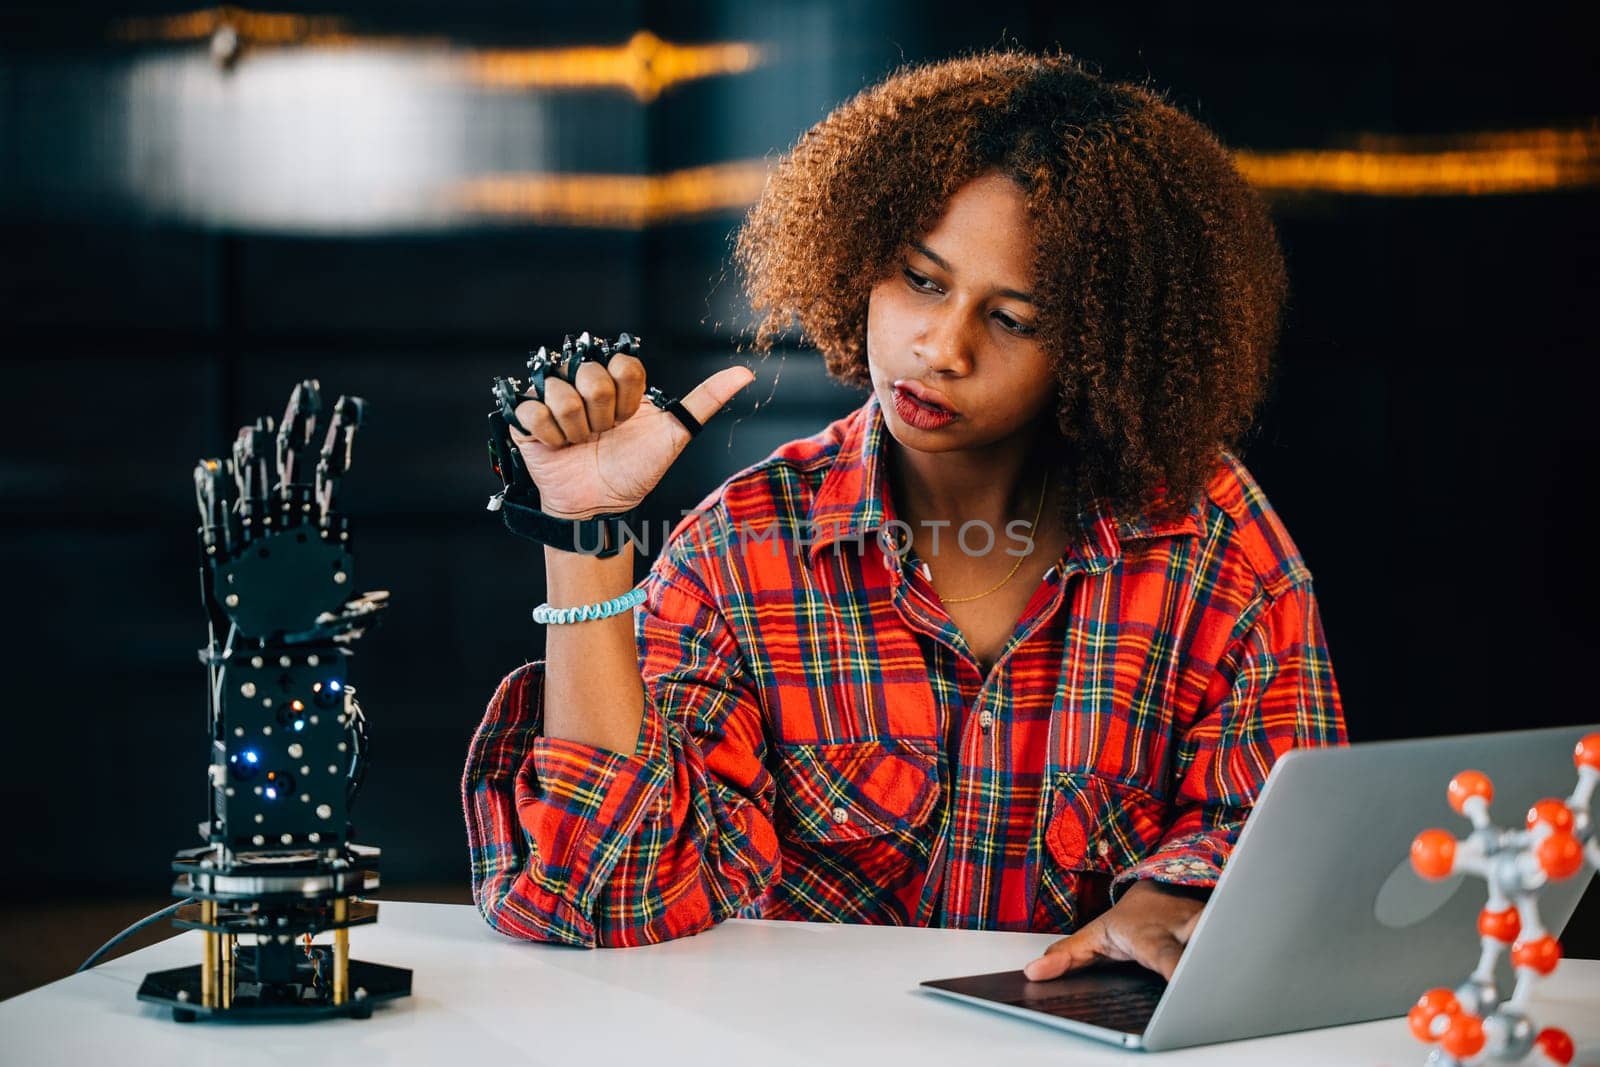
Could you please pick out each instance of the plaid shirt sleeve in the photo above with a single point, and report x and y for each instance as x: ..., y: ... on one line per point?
x: 1274, y: 691
x: 580, y: 845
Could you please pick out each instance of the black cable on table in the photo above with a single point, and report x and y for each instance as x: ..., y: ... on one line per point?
x: 129, y: 932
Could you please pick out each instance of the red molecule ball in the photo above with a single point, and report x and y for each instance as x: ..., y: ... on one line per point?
x: 1587, y: 754
x: 1470, y: 784
x: 1465, y: 1036
x: 1429, y: 1006
x: 1552, y: 811
x: 1541, y: 954
x: 1560, y: 855
x: 1433, y: 854
x: 1555, y: 1044
x: 1501, y: 925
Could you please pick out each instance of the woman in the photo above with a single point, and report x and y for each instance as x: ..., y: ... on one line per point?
x: 1056, y: 715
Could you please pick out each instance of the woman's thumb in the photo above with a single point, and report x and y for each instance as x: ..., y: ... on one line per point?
x: 707, y: 398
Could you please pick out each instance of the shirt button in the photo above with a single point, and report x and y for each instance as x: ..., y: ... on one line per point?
x: 1103, y: 848
x: 841, y: 816
x: 986, y: 720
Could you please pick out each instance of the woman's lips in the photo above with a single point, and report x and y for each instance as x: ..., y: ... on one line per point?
x: 926, y: 395
x: 914, y: 411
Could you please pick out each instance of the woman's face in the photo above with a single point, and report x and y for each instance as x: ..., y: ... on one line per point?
x: 953, y: 327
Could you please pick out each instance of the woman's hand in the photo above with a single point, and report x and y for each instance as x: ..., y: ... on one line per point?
x: 1149, y: 925
x: 594, y: 447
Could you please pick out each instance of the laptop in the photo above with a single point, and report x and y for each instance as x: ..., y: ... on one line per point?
x: 1318, y: 919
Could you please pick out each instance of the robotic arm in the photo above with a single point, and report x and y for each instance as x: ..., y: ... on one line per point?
x: 288, y: 740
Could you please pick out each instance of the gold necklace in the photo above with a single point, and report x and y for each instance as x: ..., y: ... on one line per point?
x: 1012, y: 573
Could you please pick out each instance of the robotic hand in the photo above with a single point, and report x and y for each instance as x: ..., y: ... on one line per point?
x: 277, y: 566
x: 288, y: 741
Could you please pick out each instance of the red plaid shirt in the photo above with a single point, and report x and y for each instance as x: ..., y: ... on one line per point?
x: 819, y: 743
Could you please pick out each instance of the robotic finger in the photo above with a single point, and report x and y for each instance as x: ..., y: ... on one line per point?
x: 337, y: 448
x: 294, y: 450
x: 252, y: 457
x: 211, y: 496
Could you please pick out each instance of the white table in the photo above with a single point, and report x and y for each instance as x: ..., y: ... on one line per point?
x: 745, y: 992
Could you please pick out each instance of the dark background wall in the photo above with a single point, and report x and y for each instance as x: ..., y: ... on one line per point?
x: 1430, y: 441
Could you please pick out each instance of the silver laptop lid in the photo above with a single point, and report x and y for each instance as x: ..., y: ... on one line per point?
x: 1318, y: 919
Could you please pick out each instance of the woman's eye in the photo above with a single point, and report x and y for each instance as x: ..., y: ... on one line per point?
x: 920, y: 282
x: 1019, y: 328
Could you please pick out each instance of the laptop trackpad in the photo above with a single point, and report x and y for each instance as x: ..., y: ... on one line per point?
x: 1113, y: 996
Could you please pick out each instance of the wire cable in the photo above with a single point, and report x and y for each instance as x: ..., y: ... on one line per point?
x: 129, y: 932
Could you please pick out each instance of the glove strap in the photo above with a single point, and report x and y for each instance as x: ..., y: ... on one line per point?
x: 600, y: 535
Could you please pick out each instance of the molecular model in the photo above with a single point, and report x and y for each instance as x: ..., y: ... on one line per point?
x: 1473, y: 1024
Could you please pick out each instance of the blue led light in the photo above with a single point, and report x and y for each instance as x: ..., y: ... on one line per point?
x: 334, y: 685
x: 250, y: 756
x: 299, y: 725
x: 272, y: 794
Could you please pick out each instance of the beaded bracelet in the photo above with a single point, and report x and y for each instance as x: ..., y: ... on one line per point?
x: 547, y: 615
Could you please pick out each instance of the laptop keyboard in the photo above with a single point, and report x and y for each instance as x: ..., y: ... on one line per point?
x: 1126, y: 1010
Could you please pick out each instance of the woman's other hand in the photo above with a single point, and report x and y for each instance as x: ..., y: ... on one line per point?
x: 1150, y: 925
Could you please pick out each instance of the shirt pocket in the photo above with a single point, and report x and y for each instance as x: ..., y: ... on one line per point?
x: 1097, y: 827
x: 855, y: 823
x: 855, y: 791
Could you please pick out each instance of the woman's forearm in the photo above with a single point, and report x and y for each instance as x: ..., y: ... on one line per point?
x: 593, y: 691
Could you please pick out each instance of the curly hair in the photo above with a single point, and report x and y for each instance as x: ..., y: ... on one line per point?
x: 1159, y: 280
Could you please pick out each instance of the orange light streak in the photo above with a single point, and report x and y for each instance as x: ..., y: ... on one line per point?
x: 253, y: 27
x: 1517, y: 161
x: 645, y: 66
x: 628, y: 201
